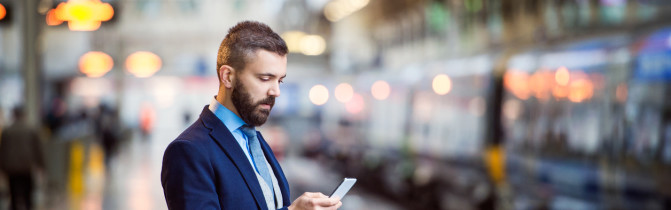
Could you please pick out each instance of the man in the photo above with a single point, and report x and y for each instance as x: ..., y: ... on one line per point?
x: 20, y: 156
x: 221, y: 161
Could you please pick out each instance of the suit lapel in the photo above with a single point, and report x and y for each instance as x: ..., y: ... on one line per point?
x: 279, y: 174
x: 226, y: 141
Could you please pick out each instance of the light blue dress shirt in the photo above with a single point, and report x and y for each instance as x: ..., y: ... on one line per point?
x: 233, y: 123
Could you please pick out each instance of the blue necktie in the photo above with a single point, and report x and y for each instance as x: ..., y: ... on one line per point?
x: 257, y: 154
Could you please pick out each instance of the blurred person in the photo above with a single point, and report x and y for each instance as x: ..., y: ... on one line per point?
x: 20, y: 157
x: 106, y: 130
x: 147, y: 117
x: 221, y: 161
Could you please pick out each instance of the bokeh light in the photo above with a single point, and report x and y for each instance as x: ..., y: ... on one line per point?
x: 143, y: 64
x: 380, y: 90
x: 95, y: 64
x: 339, y: 9
x: 293, y: 40
x: 356, y: 105
x: 312, y: 45
x: 517, y: 83
x: 562, y: 76
x: 512, y: 108
x: 319, y: 95
x: 540, y: 84
x: 580, y: 90
x: 3, y: 12
x: 84, y: 15
x: 344, y: 92
x: 441, y: 84
x: 52, y: 19
x: 560, y: 92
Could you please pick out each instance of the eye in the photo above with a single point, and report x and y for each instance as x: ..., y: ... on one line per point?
x: 281, y: 81
x: 265, y: 79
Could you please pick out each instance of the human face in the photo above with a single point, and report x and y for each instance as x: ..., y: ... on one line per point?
x: 257, y: 86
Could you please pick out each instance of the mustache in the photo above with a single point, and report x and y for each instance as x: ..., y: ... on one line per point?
x: 269, y: 100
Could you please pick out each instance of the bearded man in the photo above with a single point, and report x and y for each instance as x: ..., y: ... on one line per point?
x: 221, y: 161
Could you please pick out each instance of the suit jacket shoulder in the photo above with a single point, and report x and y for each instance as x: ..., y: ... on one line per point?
x: 205, y: 168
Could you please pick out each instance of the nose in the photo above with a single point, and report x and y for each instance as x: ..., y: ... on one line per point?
x: 274, y: 91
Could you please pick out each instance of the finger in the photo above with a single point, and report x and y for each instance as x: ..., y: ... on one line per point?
x: 313, y: 194
x: 336, y: 206
x: 335, y: 200
x: 325, y: 202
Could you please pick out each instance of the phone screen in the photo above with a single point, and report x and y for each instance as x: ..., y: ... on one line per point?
x: 343, y: 188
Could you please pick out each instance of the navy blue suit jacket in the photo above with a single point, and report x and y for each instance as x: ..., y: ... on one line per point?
x: 205, y: 168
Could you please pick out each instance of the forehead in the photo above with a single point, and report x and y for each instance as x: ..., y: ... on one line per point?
x: 264, y: 61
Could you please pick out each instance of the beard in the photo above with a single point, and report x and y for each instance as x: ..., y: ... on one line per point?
x: 250, y: 111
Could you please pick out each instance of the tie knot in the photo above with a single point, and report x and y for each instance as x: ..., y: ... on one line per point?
x: 249, y: 131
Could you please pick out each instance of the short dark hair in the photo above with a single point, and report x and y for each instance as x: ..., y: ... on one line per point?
x: 242, y: 41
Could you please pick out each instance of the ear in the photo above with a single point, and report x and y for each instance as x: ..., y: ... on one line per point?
x: 227, y: 74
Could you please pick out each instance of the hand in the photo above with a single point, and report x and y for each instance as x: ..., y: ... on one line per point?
x: 311, y: 200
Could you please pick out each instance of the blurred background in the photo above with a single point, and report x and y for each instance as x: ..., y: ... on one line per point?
x: 430, y: 104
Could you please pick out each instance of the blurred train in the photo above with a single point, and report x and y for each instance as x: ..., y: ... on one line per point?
x: 577, y: 124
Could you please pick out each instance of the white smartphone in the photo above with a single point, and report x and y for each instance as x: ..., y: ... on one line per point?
x: 343, y: 188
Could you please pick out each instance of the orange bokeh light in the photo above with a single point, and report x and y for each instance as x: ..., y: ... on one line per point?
x: 52, y: 18
x: 84, y: 15
x: 380, y: 90
x: 3, y: 12
x: 540, y: 84
x: 95, y: 64
x: 143, y: 64
x: 562, y: 76
x: 517, y: 83
x: 560, y: 91
x: 580, y: 90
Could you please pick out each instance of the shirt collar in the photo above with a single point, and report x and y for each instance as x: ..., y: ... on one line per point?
x: 230, y: 119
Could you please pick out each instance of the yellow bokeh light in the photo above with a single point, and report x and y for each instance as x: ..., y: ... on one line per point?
x: 293, y: 40
x: 380, y: 90
x: 312, y: 45
x: 441, y: 84
x: 143, y: 64
x: 562, y: 76
x: 84, y: 15
x: 344, y: 92
x: 95, y: 64
x: 319, y: 95
x: 339, y: 9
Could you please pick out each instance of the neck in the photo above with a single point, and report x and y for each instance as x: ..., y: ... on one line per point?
x: 224, y: 98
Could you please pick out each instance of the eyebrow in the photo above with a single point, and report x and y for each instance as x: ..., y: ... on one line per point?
x: 270, y: 75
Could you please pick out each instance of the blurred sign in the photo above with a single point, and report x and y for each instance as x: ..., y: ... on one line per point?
x: 654, y: 59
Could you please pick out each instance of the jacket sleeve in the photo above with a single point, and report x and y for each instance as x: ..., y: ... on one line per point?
x: 187, y: 177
